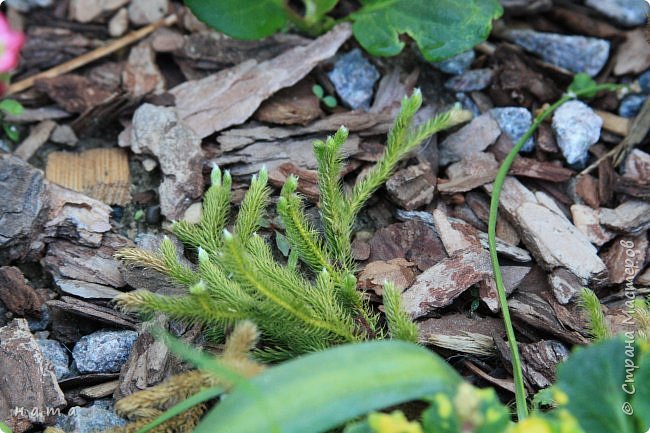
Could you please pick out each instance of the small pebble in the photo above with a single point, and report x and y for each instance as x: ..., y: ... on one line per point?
x: 644, y: 82
x: 631, y: 105
x: 468, y: 104
x: 576, y: 128
x: 471, y: 81
x: 152, y: 214
x: 57, y: 354
x: 142, y: 12
x: 354, y: 78
x: 103, y: 351
x: 117, y: 212
x: 575, y: 53
x: 40, y: 324
x: 457, y: 64
x: 628, y: 13
x: 27, y: 5
x: 514, y: 121
x: 64, y: 134
x: 193, y: 213
x: 91, y: 419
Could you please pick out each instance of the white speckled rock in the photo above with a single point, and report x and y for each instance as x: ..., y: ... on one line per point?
x: 514, y: 122
x: 576, y: 129
x: 103, y: 351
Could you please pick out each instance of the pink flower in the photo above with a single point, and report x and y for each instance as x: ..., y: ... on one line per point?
x: 10, y: 44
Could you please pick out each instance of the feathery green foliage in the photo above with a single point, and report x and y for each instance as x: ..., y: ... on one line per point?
x: 596, y: 323
x: 238, y: 278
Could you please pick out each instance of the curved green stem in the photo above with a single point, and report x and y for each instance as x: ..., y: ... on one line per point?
x: 520, y: 390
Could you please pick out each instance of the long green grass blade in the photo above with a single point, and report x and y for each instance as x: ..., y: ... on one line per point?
x: 322, y: 390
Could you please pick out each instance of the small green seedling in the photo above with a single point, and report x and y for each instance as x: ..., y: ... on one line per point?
x: 13, y: 108
x: 328, y: 100
x: 4, y: 428
x: 138, y: 215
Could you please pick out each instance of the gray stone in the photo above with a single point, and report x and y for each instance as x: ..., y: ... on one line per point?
x: 103, y: 351
x: 514, y: 121
x: 354, y: 78
x: 457, y: 64
x: 40, y: 324
x: 644, y: 82
x: 628, y: 13
x: 470, y: 81
x: 468, y: 103
x: 64, y: 134
x: 91, y: 419
x: 27, y: 5
x: 576, y: 128
x: 57, y: 354
x: 575, y: 53
x: 631, y: 105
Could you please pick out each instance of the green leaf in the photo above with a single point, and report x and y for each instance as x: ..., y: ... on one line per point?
x: 330, y: 101
x: 318, y: 91
x: 440, y: 30
x: 592, y: 379
x: 11, y: 106
x: 582, y: 81
x: 322, y: 390
x: 11, y: 131
x: 641, y: 399
x: 282, y: 243
x: 241, y: 19
x: 4, y: 428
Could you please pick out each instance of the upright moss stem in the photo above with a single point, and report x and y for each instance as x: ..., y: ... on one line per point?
x: 520, y: 390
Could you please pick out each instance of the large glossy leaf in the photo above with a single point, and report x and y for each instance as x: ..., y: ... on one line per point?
x: 319, y: 391
x: 593, y: 380
x: 641, y: 399
x: 241, y: 19
x: 441, y: 28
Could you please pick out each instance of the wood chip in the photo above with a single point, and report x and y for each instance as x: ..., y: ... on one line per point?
x: 633, y: 216
x: 150, y: 361
x: 28, y: 380
x: 633, y: 55
x: 472, y: 171
x: 296, y: 105
x: 37, y: 137
x: 141, y: 75
x: 307, y: 179
x: 412, y: 240
x: 587, y: 189
x: 462, y: 334
x: 18, y: 296
x: 613, y: 123
x: 412, y: 187
x: 105, y: 315
x: 158, y: 131
x: 74, y: 93
x: 375, y: 274
x: 231, y: 96
x: 101, y: 173
x: 474, y: 137
x: 100, y: 391
x: 550, y: 237
x: 625, y: 257
x: 587, y: 220
x: 439, y: 285
x: 94, y: 265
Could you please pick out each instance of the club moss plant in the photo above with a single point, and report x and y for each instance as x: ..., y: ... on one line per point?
x: 311, y: 302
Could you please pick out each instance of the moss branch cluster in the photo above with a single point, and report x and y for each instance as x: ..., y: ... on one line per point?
x: 237, y: 277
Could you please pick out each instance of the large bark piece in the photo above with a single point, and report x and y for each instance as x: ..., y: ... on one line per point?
x: 28, y: 380
x: 231, y: 96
